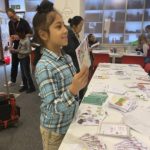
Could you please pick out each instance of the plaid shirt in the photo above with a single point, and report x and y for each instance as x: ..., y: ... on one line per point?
x: 54, y: 75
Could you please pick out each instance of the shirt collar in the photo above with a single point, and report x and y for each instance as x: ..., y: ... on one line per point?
x: 51, y: 54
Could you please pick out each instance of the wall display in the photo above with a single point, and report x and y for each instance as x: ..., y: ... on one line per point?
x: 17, y: 5
x: 117, y: 22
x: 4, y: 33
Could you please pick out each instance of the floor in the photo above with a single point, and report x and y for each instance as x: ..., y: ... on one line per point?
x: 26, y: 136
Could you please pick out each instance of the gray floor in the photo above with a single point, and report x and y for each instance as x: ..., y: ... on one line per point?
x: 26, y: 136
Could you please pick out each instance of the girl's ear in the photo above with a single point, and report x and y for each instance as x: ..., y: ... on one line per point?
x: 43, y: 35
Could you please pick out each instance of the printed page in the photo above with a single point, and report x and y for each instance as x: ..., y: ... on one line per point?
x: 82, y: 52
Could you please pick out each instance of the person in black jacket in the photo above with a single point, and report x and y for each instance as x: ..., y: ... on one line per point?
x: 15, y: 24
x: 76, y: 24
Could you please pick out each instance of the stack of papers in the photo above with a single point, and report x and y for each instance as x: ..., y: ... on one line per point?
x: 90, y: 115
x: 130, y: 144
x: 111, y: 129
x: 123, y: 103
x: 131, y: 85
x: 96, y: 98
x: 93, y: 142
x: 139, y: 120
x: 117, y: 90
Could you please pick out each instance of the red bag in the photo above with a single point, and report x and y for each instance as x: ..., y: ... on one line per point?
x: 9, y: 111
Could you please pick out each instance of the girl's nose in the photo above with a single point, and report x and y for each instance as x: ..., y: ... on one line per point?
x: 65, y: 30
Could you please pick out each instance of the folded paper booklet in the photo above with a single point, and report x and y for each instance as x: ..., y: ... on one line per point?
x: 112, y: 129
x: 82, y: 53
x: 123, y: 103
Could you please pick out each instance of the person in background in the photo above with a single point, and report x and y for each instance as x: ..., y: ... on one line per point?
x: 91, y: 39
x: 147, y: 29
x: 76, y: 24
x: 15, y: 24
x: 23, y: 51
x: 143, y: 44
x: 56, y: 77
x: 75, y: 27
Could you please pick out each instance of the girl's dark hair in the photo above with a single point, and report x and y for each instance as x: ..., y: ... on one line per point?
x: 43, y: 18
x: 75, y: 20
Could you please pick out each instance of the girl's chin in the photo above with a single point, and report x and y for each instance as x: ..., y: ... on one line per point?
x: 65, y: 43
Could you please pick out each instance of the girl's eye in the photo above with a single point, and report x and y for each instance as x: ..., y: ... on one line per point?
x: 58, y: 27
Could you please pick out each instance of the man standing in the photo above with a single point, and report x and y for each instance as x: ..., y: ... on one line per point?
x: 15, y: 24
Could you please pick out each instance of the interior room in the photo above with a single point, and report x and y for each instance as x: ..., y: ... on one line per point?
x: 84, y: 84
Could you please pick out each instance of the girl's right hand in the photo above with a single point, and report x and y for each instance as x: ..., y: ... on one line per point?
x: 79, y: 81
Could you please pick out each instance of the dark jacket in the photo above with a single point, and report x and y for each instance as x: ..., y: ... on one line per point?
x: 73, y: 43
x: 22, y: 25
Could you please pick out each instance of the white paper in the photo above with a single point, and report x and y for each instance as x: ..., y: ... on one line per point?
x: 76, y: 147
x: 120, y: 130
x: 139, y: 120
x: 117, y: 89
x: 82, y: 53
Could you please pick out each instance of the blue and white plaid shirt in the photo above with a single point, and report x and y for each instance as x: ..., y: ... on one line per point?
x: 54, y: 76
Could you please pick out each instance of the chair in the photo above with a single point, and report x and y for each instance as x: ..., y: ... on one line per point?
x: 133, y: 60
x: 100, y: 58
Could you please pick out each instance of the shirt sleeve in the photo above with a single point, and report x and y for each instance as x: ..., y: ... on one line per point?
x: 26, y: 49
x: 49, y: 90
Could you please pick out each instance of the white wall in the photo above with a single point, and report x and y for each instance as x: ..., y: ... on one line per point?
x: 21, y: 3
x: 69, y: 9
x: 2, y: 5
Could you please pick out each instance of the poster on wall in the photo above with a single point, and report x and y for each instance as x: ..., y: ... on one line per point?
x: 4, y: 32
x: 17, y: 5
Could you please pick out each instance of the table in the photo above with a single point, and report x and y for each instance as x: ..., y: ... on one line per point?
x: 75, y: 131
x: 117, y: 54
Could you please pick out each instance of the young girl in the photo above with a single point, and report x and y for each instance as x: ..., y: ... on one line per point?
x: 23, y: 51
x: 55, y: 75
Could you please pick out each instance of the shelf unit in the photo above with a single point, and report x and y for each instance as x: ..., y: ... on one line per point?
x: 116, y: 21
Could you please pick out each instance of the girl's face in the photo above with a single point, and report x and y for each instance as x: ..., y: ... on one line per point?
x: 78, y: 28
x: 58, y: 34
